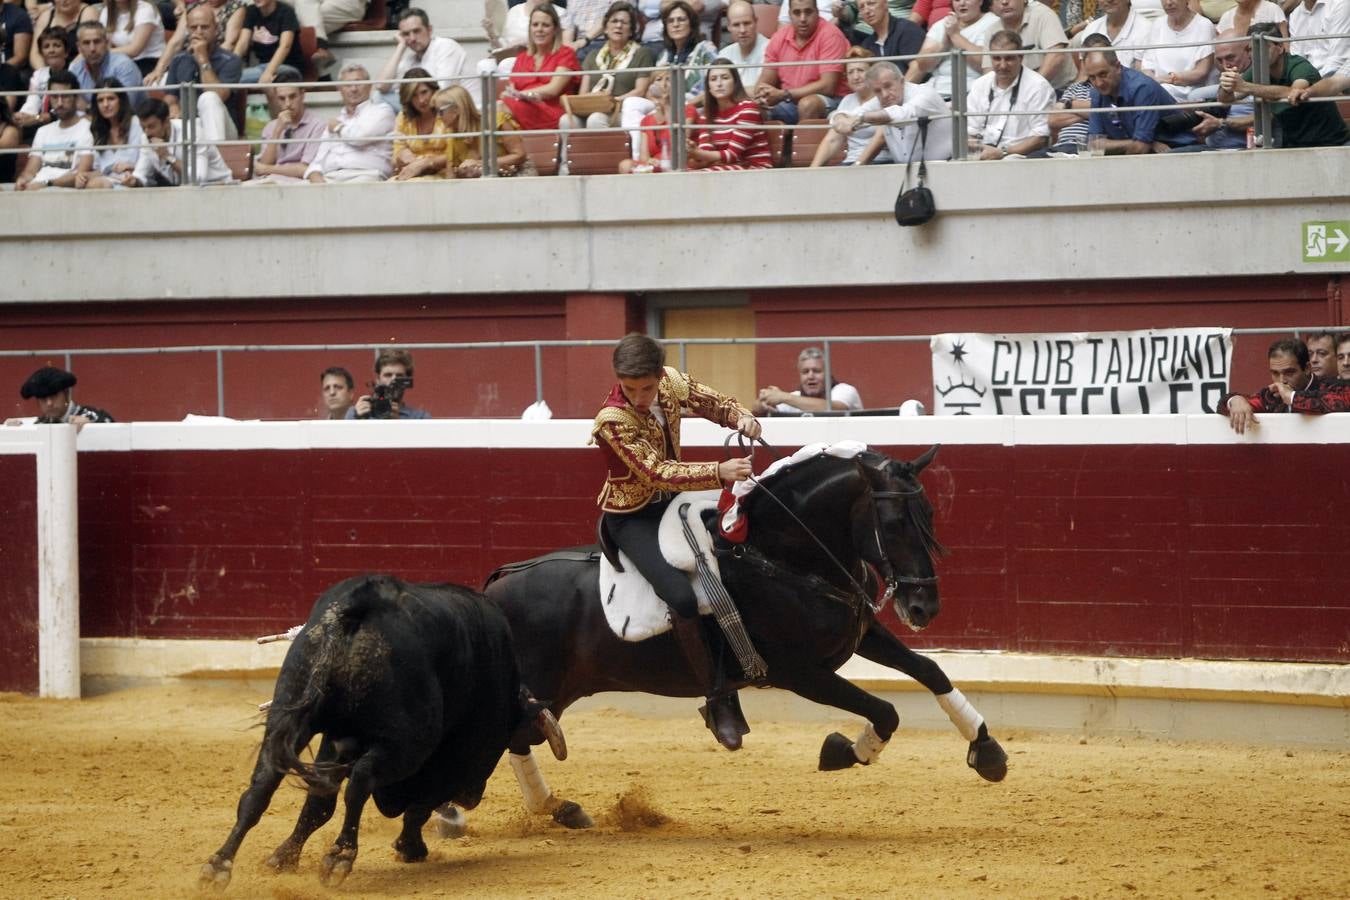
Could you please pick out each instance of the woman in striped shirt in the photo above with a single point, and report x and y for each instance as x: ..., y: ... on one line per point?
x: 732, y: 137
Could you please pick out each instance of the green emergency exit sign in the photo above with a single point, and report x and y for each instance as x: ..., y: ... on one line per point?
x: 1326, y: 241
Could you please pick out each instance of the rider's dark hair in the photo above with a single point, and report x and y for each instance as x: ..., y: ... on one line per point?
x: 637, y: 356
x: 1297, y: 349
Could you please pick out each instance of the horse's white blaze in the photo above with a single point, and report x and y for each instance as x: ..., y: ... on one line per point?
x: 868, y: 746
x: 538, y: 798
x: 962, y: 714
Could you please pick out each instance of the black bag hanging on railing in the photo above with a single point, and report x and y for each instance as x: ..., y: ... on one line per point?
x: 915, y: 205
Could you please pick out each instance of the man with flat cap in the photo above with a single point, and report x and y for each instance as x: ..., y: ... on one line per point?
x: 51, y: 386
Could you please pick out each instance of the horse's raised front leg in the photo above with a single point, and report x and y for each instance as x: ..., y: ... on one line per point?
x: 830, y: 689
x: 985, y: 755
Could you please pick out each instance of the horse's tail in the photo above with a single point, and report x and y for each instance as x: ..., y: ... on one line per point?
x: 319, y: 647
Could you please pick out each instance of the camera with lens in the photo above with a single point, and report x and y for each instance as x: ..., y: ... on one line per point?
x: 384, y: 396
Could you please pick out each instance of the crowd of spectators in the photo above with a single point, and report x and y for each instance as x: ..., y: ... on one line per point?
x: 580, y: 64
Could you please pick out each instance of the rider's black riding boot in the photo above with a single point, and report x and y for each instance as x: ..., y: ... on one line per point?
x: 718, y: 715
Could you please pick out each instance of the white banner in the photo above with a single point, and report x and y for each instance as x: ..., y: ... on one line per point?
x: 1168, y: 370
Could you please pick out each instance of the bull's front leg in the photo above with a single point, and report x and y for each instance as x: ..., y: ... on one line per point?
x: 409, y: 844
x: 984, y: 755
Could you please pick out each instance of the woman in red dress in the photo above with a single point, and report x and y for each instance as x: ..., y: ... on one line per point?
x: 731, y: 138
x: 534, y: 96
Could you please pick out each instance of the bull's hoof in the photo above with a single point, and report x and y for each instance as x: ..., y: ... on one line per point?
x: 987, y: 758
x: 837, y: 753
x: 449, y: 822
x: 215, y: 874
x: 410, y: 851
x: 286, y: 858
x: 570, y: 815
x: 336, y: 865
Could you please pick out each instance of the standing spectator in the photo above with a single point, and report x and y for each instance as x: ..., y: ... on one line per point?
x: 161, y: 164
x: 1301, y: 125
x: 889, y: 36
x: 419, y: 151
x: 653, y: 140
x: 296, y: 125
x: 1229, y: 133
x: 1125, y: 28
x: 1315, y: 19
x: 1180, y: 70
x: 1011, y: 87
x: 96, y: 62
x: 61, y: 145
x: 113, y: 124
x: 1040, y: 30
x: 10, y: 137
x: 327, y: 17
x: 50, y: 387
x: 809, y: 396
x: 968, y: 28
x: 67, y: 14
x: 897, y: 107
x: 229, y: 16
x: 855, y: 73
x: 1288, y: 360
x: 534, y: 93
x: 1127, y: 132
x: 683, y: 46
x: 54, y: 45
x: 463, y: 155
x: 271, y: 35
x: 136, y: 29
x: 16, y: 48
x: 1254, y: 12
x: 1321, y: 357
x: 336, y: 390
x: 364, y: 126
x: 417, y: 48
x: 804, y: 92
x: 392, y: 368
x: 732, y: 136
x: 747, y: 44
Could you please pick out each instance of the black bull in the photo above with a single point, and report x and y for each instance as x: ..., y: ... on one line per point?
x: 416, y: 693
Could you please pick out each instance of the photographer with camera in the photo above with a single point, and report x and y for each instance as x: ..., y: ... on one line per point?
x: 394, y: 375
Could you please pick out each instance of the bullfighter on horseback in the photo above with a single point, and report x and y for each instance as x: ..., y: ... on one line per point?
x: 638, y: 431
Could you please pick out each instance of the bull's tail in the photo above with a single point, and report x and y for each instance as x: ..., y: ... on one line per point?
x: 291, y: 726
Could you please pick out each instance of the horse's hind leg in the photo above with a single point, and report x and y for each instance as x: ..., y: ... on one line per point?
x: 985, y: 755
x: 316, y: 812
x: 253, y: 802
x: 537, y: 796
x: 829, y: 689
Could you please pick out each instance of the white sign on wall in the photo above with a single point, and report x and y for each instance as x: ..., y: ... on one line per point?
x: 1167, y: 370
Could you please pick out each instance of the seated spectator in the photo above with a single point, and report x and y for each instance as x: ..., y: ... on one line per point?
x: 1299, y: 124
x: 59, y: 146
x: 968, y: 28
x: 113, y: 124
x: 747, y: 44
x: 270, y: 37
x: 1289, y: 374
x: 1321, y: 358
x: 1343, y: 355
x: 1123, y: 26
x: 1180, y: 70
x: 419, y: 151
x: 683, y: 45
x: 161, y: 164
x: 654, y: 142
x: 50, y: 387
x: 1127, y: 132
x: 731, y: 137
x: 1010, y: 87
x: 327, y: 18
x: 11, y: 136
x: 54, y: 45
x: 889, y: 36
x: 66, y: 13
x: 1333, y: 86
x: 809, y: 397
x: 204, y: 62
x: 363, y: 125
x: 803, y: 92
x: 855, y: 74
x: 515, y: 33
x: 295, y: 125
x: 16, y: 48
x: 417, y: 48
x: 1254, y: 12
x: 611, y: 64
x: 336, y: 390
x: 1315, y: 19
x: 136, y: 29
x: 588, y: 24
x: 229, y: 16
x: 1069, y: 120
x: 463, y: 155
x: 1229, y: 133
x: 924, y: 12
x: 652, y: 35
x: 534, y: 95
x: 897, y: 107
x: 96, y: 62
x: 828, y: 11
x: 390, y: 364
x: 1040, y: 30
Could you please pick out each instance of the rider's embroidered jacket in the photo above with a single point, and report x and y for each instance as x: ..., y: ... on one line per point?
x: 643, y: 458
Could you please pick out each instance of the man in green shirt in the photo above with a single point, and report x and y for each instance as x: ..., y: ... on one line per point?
x: 1305, y: 125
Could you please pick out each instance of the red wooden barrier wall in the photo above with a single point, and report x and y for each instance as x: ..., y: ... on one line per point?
x: 18, y: 574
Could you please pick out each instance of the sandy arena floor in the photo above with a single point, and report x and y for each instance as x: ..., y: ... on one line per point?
x: 124, y: 795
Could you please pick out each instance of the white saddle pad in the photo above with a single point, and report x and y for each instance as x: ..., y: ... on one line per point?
x: 632, y: 608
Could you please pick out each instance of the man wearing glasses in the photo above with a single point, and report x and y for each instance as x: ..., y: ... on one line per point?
x: 296, y: 126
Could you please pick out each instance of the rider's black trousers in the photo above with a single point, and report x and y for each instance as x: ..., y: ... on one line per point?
x: 636, y: 535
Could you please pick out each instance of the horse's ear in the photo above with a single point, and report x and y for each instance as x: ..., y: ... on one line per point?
x: 925, y: 459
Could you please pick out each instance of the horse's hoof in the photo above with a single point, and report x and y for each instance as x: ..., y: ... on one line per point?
x: 449, y: 822
x: 570, y: 815
x: 410, y: 851
x: 837, y: 753
x: 988, y: 759
x: 215, y: 874
x: 336, y: 865
x: 286, y: 858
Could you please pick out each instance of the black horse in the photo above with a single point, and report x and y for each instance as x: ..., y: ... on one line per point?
x: 827, y: 536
